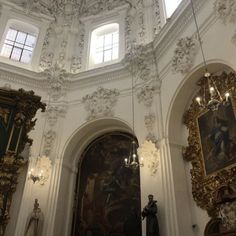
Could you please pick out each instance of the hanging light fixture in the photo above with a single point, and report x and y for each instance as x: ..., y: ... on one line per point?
x: 211, y: 97
x: 133, y: 159
x: 42, y: 165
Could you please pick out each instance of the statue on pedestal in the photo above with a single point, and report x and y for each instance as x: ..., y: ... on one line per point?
x: 34, y: 223
x: 150, y: 211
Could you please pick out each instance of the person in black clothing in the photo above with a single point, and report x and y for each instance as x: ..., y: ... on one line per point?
x: 149, y: 212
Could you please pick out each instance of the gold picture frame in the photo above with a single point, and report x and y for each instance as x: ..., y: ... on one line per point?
x: 212, y: 143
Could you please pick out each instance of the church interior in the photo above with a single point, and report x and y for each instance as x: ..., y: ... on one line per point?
x: 107, y: 106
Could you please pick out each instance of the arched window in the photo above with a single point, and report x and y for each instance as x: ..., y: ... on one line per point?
x: 170, y: 6
x: 104, y: 47
x: 19, y: 41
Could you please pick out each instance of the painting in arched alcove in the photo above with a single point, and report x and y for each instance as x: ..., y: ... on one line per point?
x: 107, y: 193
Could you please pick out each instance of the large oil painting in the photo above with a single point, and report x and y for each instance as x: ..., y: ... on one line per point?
x: 218, y: 138
x: 108, y: 193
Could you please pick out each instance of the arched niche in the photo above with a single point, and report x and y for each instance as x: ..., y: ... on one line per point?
x: 107, y: 193
x: 190, y: 216
x: 73, y: 150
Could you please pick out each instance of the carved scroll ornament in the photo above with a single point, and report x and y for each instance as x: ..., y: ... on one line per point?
x: 204, y: 185
x: 23, y: 106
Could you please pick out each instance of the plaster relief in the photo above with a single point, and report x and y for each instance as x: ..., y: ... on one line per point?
x: 226, y: 10
x: 49, y: 138
x: 57, y: 80
x: 145, y: 95
x: 184, y: 54
x: 100, y: 103
x: 150, y: 155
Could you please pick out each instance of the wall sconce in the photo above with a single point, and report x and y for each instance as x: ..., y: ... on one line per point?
x: 42, y: 170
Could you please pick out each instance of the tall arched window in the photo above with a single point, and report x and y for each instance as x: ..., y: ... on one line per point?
x: 19, y: 41
x: 104, y: 47
x: 170, y: 6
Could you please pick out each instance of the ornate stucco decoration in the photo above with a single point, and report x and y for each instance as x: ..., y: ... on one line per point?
x: 145, y: 95
x: 150, y: 155
x: 150, y: 121
x: 138, y: 57
x: 156, y: 16
x: 68, y: 8
x: 184, y: 54
x: 47, y: 55
x: 204, y: 185
x: 57, y: 80
x: 49, y: 138
x: 54, y: 112
x: 226, y: 10
x: 76, y: 60
x: 100, y: 103
x: 94, y: 7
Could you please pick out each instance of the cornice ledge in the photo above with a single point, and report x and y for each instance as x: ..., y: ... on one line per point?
x: 173, y: 28
x: 98, y: 76
x: 22, y: 76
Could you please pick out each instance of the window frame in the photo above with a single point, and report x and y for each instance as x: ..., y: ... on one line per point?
x: 22, y: 46
x: 92, y: 22
x: 103, y: 31
x: 34, y: 24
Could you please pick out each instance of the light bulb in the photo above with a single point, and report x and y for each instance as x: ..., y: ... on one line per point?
x: 198, y: 99
x: 212, y: 90
x: 227, y: 96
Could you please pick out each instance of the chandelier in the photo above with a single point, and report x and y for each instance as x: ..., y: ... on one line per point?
x: 133, y: 161
x: 211, y: 97
x: 42, y: 165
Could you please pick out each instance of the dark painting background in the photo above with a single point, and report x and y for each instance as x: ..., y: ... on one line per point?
x: 108, y: 193
x: 218, y: 138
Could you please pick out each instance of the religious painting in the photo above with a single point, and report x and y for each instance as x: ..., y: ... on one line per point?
x: 212, y: 139
x: 218, y: 138
x: 108, y: 193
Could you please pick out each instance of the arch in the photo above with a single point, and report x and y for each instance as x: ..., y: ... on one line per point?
x: 184, y: 94
x: 88, y: 132
x: 177, y: 134
x: 73, y: 149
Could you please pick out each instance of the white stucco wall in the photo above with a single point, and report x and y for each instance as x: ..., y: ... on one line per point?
x: 172, y: 183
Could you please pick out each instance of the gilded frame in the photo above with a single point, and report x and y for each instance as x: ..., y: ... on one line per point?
x: 204, y: 185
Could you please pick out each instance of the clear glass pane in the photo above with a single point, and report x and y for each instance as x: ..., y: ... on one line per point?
x: 98, y: 57
x: 108, y: 39
x: 107, y: 55
x: 20, y: 38
x: 171, y: 5
x: 16, y: 53
x: 11, y: 34
x: 115, y: 53
x: 115, y: 38
x: 108, y: 47
x: 28, y: 48
x: 99, y: 42
x: 19, y: 45
x: 26, y: 57
x: 30, y: 40
x: 9, y: 42
x: 6, y: 50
